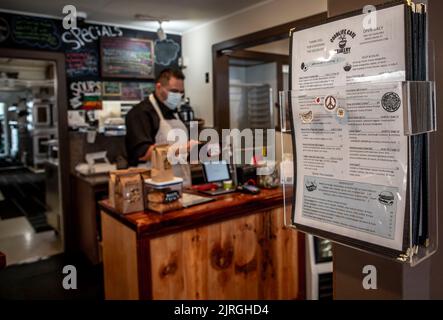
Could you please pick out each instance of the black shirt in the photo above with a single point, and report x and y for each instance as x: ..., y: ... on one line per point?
x: 142, y: 124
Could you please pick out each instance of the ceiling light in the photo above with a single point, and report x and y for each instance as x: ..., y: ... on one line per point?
x: 160, y: 32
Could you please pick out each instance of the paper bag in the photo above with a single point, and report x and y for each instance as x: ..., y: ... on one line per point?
x: 161, y: 168
x: 126, y: 190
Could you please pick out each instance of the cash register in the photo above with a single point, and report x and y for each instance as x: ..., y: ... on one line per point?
x: 215, y: 173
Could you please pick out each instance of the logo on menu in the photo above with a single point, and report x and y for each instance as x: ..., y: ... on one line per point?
x: 342, y: 37
x: 391, y: 102
x: 311, y: 185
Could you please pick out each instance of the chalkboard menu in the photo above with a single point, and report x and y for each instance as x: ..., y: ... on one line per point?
x: 82, y: 63
x: 131, y: 58
x: 36, y: 32
x: 127, y: 58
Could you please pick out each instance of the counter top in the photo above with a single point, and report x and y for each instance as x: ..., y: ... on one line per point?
x: 148, y: 223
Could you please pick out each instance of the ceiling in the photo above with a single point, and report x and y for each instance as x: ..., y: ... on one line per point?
x: 184, y: 14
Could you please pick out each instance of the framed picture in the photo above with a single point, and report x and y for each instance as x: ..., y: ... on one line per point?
x: 112, y: 89
x: 131, y: 91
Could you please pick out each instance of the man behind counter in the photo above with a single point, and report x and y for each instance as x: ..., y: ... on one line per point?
x: 148, y: 123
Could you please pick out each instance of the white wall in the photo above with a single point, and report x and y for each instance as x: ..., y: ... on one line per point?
x: 197, y: 43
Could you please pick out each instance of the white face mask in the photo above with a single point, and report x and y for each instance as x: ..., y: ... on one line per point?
x: 173, y: 100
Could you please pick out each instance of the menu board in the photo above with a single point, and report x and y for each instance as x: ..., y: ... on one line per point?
x: 82, y: 63
x: 35, y: 32
x: 127, y: 58
x: 85, y: 95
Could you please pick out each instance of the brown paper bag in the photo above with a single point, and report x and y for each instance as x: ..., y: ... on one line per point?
x: 126, y: 190
x: 161, y: 168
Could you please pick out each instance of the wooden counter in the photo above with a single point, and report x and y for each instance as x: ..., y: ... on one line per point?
x: 232, y: 248
x: 86, y: 192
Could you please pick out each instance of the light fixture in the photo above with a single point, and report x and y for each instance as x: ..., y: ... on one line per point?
x: 161, y: 34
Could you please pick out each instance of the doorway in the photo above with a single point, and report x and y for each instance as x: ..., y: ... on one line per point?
x: 31, y: 180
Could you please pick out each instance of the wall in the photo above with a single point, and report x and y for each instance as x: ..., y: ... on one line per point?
x: 197, y: 43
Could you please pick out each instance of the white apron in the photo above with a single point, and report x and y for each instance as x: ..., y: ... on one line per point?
x: 180, y: 170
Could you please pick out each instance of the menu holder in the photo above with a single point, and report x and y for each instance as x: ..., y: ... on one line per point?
x: 414, y: 96
x: 361, y: 130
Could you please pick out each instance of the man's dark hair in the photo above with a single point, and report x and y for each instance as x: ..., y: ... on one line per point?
x: 167, y: 74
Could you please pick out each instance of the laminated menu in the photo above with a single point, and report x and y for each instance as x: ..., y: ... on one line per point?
x: 348, y: 121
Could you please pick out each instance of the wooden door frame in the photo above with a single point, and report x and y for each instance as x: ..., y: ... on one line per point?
x: 62, y: 113
x: 220, y: 61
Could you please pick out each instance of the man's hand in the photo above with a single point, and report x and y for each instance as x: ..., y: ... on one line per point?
x: 187, y: 147
x: 191, y: 144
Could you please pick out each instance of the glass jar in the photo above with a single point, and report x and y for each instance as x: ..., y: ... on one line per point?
x: 268, y: 176
x: 163, y: 197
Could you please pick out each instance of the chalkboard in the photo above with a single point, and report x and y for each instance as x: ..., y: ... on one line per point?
x: 166, y: 52
x: 85, y: 95
x: 36, y: 32
x: 82, y: 63
x: 4, y: 30
x: 127, y: 58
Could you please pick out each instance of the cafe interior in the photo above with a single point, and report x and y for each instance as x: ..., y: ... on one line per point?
x: 65, y: 93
